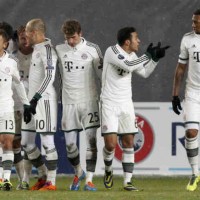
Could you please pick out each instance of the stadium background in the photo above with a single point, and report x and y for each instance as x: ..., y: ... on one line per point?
x: 155, y: 20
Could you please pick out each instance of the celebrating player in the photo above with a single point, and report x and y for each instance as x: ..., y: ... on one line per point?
x: 118, y: 117
x: 23, y: 54
x: 189, y: 60
x: 43, y: 102
x: 9, y: 75
x: 81, y: 68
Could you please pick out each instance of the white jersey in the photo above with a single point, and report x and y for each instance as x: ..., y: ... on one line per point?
x: 23, y: 67
x: 42, y: 71
x: 81, y: 67
x: 117, y: 73
x: 9, y: 75
x: 190, y: 54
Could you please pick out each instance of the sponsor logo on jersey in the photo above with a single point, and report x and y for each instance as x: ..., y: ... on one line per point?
x: 121, y: 57
x: 65, y: 56
x: 84, y: 56
x: 193, y: 46
x: 7, y: 69
x: 37, y: 55
x: 104, y: 128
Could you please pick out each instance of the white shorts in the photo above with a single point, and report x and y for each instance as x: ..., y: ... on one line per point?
x: 191, y: 110
x: 78, y: 117
x: 7, y: 123
x: 118, y: 119
x: 45, y: 119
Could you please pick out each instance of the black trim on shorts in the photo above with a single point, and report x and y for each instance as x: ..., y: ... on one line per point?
x: 13, y: 133
x: 79, y: 130
x: 119, y: 134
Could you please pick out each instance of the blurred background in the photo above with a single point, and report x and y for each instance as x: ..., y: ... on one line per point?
x: 165, y: 21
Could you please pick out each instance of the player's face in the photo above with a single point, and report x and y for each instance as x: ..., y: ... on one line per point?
x: 74, y: 39
x: 134, y: 42
x: 22, y: 39
x: 196, y: 23
x: 3, y: 45
x: 29, y: 37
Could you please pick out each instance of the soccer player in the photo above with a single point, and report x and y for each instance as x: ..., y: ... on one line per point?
x: 9, y: 75
x: 189, y: 60
x: 11, y: 49
x: 23, y: 54
x: 81, y: 68
x: 43, y: 102
x: 118, y: 117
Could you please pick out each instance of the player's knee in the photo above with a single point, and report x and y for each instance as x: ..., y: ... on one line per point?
x: 28, y: 147
x: 191, y: 133
x: 71, y: 147
x: 16, y: 144
x: 52, y: 155
x: 110, y: 146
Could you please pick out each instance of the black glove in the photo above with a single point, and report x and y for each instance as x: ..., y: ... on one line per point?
x: 27, y: 114
x: 176, y: 104
x: 33, y: 103
x: 156, y: 52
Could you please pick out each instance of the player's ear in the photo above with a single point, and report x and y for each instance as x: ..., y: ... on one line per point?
x: 5, y: 45
x: 127, y: 42
x: 80, y: 34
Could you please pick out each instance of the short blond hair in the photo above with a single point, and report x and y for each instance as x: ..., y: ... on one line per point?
x: 36, y: 24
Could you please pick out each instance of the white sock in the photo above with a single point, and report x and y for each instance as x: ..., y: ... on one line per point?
x: 27, y: 170
x: 51, y: 176
x: 89, y: 177
x: 20, y: 169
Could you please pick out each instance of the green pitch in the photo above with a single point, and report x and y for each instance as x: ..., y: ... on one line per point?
x: 154, y: 188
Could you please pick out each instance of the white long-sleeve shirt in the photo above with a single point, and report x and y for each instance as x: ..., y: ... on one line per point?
x: 81, y: 68
x: 42, y: 71
x: 190, y: 54
x: 118, y: 66
x: 24, y: 62
x: 9, y: 75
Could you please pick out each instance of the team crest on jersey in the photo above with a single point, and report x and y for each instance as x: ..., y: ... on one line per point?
x: 7, y: 69
x: 121, y: 57
x: 104, y: 128
x: 37, y: 55
x: 84, y: 56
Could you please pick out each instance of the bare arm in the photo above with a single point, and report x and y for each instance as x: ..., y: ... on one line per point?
x: 178, y: 78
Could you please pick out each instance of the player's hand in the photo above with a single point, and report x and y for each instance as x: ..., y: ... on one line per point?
x: 156, y: 52
x: 33, y: 103
x: 27, y: 114
x: 176, y: 104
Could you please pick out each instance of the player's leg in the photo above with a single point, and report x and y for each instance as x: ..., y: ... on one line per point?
x: 51, y: 161
x: 91, y: 158
x: 127, y: 129
x: 7, y: 160
x: 110, y: 141
x: 46, y: 125
x: 71, y: 125
x: 27, y: 172
x: 34, y: 155
x: 18, y: 158
x: 192, y: 114
x: 109, y: 129
x: 1, y: 167
x: 128, y: 161
x: 89, y: 113
x: 7, y: 130
x: 74, y: 158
